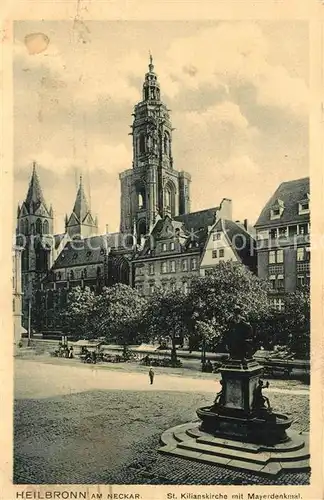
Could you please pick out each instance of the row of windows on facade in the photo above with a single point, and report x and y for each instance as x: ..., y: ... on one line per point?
x: 277, y: 256
x: 277, y: 211
x: 278, y: 281
x: 72, y: 275
x: 285, y: 231
x: 173, y: 286
x: 218, y: 253
x: 34, y: 228
x: 169, y: 267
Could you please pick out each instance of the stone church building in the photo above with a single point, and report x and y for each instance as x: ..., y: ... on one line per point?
x: 160, y: 243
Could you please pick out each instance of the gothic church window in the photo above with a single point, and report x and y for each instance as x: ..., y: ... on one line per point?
x: 142, y: 143
x: 39, y: 226
x: 45, y: 227
x: 166, y: 144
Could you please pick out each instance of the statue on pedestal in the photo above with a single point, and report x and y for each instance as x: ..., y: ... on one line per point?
x: 220, y: 400
x: 260, y: 403
x: 240, y: 338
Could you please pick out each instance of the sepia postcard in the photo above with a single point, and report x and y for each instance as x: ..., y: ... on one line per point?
x: 161, y: 250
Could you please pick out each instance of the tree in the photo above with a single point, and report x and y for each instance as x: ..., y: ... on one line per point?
x: 167, y: 317
x: 120, y: 310
x: 230, y: 286
x: 78, y: 317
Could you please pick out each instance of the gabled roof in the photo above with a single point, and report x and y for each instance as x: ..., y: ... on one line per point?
x: 290, y: 193
x: 88, y: 250
x: 35, y: 197
x: 240, y: 240
x: 198, y: 220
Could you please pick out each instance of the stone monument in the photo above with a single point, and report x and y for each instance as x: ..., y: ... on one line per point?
x: 240, y: 430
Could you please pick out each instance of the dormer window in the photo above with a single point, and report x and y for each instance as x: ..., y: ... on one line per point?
x: 303, y: 206
x: 277, y: 210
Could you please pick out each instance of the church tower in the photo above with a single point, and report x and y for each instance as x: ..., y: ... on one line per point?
x: 81, y: 222
x: 35, y: 235
x: 152, y: 187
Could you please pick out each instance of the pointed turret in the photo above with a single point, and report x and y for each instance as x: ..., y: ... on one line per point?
x: 81, y: 221
x: 35, y: 197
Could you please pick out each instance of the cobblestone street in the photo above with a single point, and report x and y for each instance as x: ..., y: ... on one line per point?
x: 74, y: 424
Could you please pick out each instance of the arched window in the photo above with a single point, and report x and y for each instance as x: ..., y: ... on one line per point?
x: 142, y: 143
x: 141, y: 194
x: 166, y: 144
x: 169, y: 198
x: 45, y: 227
x: 39, y: 226
x: 141, y: 230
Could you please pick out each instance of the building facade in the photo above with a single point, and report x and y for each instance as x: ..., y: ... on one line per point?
x: 152, y: 187
x: 283, y: 239
x: 178, y: 249
x: 229, y: 240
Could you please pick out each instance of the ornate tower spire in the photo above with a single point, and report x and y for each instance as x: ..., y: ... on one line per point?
x: 151, y: 86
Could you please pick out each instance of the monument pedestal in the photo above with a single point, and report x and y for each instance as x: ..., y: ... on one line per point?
x: 240, y: 430
x: 236, y: 413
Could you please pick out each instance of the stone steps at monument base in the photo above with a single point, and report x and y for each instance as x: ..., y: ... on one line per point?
x: 270, y: 468
x: 290, y: 456
x: 287, y: 447
x: 245, y: 456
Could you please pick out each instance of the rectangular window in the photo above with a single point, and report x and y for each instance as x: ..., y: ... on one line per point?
x: 194, y: 264
x: 272, y: 257
x: 214, y: 254
x: 283, y: 232
x: 303, y: 228
x: 292, y: 230
x: 272, y: 279
x: 300, y: 280
x: 279, y: 256
x: 300, y: 253
x: 184, y: 265
x: 221, y: 252
x: 280, y: 282
x: 216, y: 236
x: 273, y: 234
x: 278, y: 304
x: 151, y: 269
x: 173, y: 266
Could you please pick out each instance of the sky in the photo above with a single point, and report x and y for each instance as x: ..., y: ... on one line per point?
x: 238, y: 94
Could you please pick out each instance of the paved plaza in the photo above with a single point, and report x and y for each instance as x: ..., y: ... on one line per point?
x: 77, y: 423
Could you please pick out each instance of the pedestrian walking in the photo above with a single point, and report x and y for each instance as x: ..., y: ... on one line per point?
x: 151, y: 375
